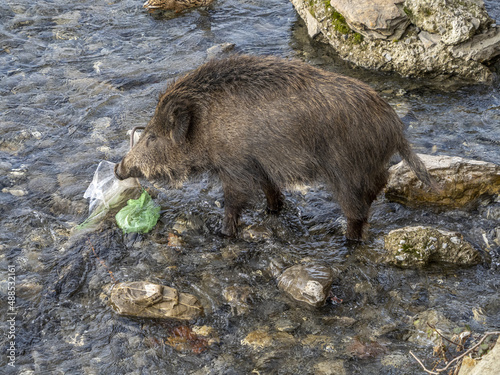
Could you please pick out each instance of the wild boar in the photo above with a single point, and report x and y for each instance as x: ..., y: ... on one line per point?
x: 268, y: 123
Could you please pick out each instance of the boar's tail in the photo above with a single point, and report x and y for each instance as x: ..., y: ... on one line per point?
x: 416, y: 164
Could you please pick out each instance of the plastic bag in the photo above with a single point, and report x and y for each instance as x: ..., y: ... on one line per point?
x: 145, y: 299
x: 139, y: 215
x: 107, y: 192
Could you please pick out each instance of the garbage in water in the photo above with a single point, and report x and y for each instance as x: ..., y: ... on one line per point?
x: 309, y: 283
x: 139, y: 215
x: 148, y: 300
x: 107, y: 192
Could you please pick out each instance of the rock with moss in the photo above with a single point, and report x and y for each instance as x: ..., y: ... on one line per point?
x: 424, y: 335
x: 413, y: 247
x: 463, y: 183
x: 412, y: 37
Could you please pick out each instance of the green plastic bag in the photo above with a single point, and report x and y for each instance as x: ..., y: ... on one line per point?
x: 139, y: 215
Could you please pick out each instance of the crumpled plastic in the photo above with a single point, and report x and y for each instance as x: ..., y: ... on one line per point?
x: 139, y: 215
x: 148, y: 300
x: 107, y: 192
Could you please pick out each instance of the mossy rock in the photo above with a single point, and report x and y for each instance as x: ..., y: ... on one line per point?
x: 417, y: 246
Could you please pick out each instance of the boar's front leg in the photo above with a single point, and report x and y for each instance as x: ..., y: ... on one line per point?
x: 234, y: 202
x: 273, y: 196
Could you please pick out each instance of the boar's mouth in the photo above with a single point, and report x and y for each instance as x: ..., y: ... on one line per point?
x: 122, y: 173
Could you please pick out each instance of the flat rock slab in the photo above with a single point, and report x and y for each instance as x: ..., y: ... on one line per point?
x: 376, y: 19
x: 462, y: 182
x: 417, y: 246
x: 148, y: 300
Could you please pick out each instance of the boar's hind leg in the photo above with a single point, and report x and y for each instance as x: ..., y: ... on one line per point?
x: 234, y: 202
x: 273, y: 196
x: 355, y: 228
x: 356, y: 205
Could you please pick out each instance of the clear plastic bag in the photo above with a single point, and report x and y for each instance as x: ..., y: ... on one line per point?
x: 107, y: 192
x: 139, y: 215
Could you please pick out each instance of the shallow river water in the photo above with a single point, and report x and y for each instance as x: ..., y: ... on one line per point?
x: 75, y: 76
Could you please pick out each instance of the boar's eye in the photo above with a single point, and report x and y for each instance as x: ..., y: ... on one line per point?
x: 150, y: 138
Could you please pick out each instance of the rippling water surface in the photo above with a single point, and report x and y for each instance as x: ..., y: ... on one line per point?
x: 75, y: 76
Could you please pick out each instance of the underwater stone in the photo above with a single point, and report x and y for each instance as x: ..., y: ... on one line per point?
x: 258, y: 339
x: 330, y: 367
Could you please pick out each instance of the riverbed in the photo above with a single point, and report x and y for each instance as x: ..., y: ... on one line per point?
x: 76, y: 76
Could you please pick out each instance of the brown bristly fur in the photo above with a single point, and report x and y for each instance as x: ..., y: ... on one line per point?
x: 268, y: 123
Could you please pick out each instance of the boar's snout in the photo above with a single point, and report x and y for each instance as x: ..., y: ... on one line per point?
x: 118, y: 172
x: 124, y: 169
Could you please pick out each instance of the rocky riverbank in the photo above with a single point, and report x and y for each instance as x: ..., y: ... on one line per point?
x: 415, y: 38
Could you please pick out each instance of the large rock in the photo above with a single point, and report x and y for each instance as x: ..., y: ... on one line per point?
x: 487, y: 366
x: 417, y: 246
x: 463, y: 182
x: 411, y: 37
x: 455, y: 21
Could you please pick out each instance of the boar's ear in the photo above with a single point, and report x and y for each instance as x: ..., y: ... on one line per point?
x: 180, y: 119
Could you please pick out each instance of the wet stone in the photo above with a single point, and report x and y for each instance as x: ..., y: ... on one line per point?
x: 239, y: 298
x: 258, y: 339
x: 363, y: 348
x: 256, y: 233
x: 5, y: 166
x: 232, y: 251
x: 423, y: 334
x: 321, y: 342
x: 395, y: 360
x: 286, y: 325
x: 458, y: 35
x: 187, y: 223
x: 308, y: 283
x: 332, y: 367
x: 340, y: 321
x: 42, y: 184
x: 462, y: 182
x: 15, y: 191
x: 69, y: 185
x: 418, y: 246
x: 219, y: 50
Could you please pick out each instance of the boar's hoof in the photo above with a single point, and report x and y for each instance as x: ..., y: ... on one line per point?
x: 229, y: 227
x: 355, y: 229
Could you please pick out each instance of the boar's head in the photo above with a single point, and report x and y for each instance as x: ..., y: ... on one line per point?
x: 164, y: 150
